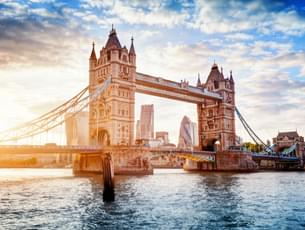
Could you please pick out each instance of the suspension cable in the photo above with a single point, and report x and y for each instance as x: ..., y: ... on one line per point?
x: 56, y: 116
x: 252, y: 134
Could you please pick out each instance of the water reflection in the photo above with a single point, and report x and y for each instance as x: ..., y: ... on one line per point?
x: 169, y: 199
x: 223, y: 201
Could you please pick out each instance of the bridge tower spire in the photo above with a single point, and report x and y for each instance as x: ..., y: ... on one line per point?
x: 93, y: 55
x: 111, y: 119
x: 199, y: 81
x: 132, y: 53
x: 92, y: 64
x: 216, y: 119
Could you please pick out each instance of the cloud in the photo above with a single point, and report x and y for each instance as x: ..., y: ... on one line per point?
x: 239, y: 36
x: 288, y: 60
x: 23, y: 30
x: 29, y: 43
x: 290, y: 23
x: 175, y: 61
x: 139, y: 12
x: 175, y: 41
x: 44, y: 13
x: 272, y: 101
x: 238, y: 16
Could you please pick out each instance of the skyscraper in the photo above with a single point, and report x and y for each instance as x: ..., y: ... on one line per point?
x: 77, y: 129
x: 188, y: 136
x: 138, y: 130
x: 145, y: 129
x: 163, y: 136
x: 194, y: 130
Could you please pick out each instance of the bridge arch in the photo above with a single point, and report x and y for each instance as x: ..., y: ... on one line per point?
x: 103, y: 137
x: 211, y: 144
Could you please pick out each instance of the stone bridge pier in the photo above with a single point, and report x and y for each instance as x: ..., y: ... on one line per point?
x: 97, y: 163
x: 134, y: 160
x: 108, y: 177
x: 125, y: 161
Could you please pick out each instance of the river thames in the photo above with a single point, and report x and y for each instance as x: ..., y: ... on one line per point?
x: 169, y: 199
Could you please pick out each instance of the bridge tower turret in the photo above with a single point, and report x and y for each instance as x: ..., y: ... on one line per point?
x: 132, y: 53
x: 92, y: 64
x: 216, y: 122
x: 111, y: 118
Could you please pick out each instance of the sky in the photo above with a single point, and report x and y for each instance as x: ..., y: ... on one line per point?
x: 45, y: 46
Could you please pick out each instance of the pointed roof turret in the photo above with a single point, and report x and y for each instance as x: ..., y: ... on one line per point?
x: 222, y: 73
x: 132, y: 50
x: 198, y: 81
x: 231, y: 77
x: 113, y: 41
x: 215, y: 75
x: 93, y: 56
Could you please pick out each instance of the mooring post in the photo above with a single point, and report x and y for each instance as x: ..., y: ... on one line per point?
x: 108, y: 175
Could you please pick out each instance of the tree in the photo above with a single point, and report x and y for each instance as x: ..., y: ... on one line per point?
x: 253, y: 147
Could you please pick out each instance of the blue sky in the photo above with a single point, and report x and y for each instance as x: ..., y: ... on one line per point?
x: 45, y: 45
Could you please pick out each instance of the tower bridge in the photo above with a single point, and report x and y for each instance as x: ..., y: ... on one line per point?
x: 113, y: 82
x: 111, y: 119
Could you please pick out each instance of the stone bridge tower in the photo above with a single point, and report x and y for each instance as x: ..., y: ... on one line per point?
x: 216, y: 119
x: 111, y: 118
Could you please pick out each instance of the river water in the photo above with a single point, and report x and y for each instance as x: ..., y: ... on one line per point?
x: 169, y: 199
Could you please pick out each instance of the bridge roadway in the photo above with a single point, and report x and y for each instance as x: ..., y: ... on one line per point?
x: 256, y: 156
x: 200, y: 156
x: 48, y: 149
x: 203, y: 156
x: 182, y: 91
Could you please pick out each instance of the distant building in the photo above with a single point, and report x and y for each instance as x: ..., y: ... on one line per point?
x: 145, y: 127
x: 145, y: 130
x: 138, y: 130
x: 194, y: 130
x: 154, y: 143
x: 77, y: 129
x: 188, y: 134
x: 285, y: 140
x: 163, y: 136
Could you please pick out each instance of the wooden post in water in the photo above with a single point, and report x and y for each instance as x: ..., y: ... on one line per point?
x: 108, y: 175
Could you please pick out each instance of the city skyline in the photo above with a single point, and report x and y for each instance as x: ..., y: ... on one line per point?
x: 45, y: 47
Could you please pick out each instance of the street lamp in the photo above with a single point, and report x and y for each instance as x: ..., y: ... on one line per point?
x: 217, y: 145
